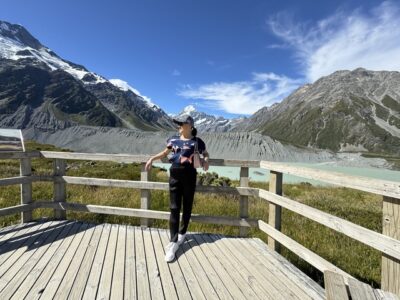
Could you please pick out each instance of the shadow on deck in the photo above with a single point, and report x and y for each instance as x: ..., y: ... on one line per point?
x: 72, y: 259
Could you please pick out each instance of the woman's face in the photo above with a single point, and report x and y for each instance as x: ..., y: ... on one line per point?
x: 184, y: 128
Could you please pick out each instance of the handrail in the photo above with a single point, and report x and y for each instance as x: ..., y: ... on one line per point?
x: 376, y: 186
x: 367, y: 184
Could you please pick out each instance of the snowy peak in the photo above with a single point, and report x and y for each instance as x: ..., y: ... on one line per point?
x: 124, y: 86
x: 206, y: 122
x: 19, y: 34
x: 16, y: 43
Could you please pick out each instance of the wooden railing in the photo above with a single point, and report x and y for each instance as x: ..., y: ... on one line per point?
x: 388, y: 243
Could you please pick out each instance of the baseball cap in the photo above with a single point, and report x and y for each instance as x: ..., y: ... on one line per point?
x: 189, y: 120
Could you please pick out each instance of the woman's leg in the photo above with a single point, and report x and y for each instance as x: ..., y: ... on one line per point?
x: 189, y: 188
x: 175, y: 192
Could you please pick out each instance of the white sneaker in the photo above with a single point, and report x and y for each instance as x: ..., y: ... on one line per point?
x: 181, y: 238
x: 170, y: 251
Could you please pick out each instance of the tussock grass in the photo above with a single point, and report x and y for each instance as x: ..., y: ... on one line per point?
x: 358, y: 207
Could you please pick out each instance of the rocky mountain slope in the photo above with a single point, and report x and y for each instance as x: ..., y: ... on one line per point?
x: 43, y: 99
x: 355, y: 110
x: 230, y: 145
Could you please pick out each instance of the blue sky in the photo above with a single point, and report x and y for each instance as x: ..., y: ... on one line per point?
x: 227, y: 58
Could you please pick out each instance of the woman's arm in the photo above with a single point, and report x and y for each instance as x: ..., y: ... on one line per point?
x: 162, y: 154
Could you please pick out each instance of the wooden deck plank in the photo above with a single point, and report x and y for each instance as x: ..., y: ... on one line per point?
x: 105, y: 284
x: 231, y: 268
x: 153, y: 271
x: 59, y: 273
x: 165, y: 274
x: 130, y: 291
x: 142, y: 277
x: 15, y: 241
x: 288, y: 268
x: 360, y: 290
x: 334, y: 286
x: 66, y: 284
x: 270, y: 289
x: 383, y: 295
x: 117, y: 289
x: 267, y: 273
x: 214, y: 279
x: 21, y: 255
x: 85, y: 261
x: 37, y: 260
x: 225, y: 277
x: 265, y: 265
x: 13, y: 228
x: 194, y: 287
x: 97, y: 264
x: 79, y: 284
x: 179, y: 280
x: 201, y: 275
x: 35, y: 291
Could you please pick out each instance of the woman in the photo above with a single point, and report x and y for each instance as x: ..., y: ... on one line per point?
x: 182, y: 180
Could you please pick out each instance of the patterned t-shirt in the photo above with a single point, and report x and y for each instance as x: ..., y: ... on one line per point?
x: 183, y: 150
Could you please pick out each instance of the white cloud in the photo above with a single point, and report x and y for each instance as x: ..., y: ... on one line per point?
x: 243, y: 97
x: 176, y: 73
x: 343, y: 41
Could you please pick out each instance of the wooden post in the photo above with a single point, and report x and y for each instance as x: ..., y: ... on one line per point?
x: 275, y: 211
x: 26, y: 188
x: 60, y: 191
x: 244, y: 200
x: 390, y: 277
x: 145, y: 196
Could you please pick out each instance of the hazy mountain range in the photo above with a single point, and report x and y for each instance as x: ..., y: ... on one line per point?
x: 54, y: 100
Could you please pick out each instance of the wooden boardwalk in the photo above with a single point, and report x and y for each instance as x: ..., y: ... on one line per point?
x: 76, y: 260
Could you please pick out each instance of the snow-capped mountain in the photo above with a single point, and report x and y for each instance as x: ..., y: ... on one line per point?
x: 19, y: 49
x: 209, y: 123
x: 16, y: 43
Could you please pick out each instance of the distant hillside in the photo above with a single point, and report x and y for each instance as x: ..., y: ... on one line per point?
x: 348, y: 110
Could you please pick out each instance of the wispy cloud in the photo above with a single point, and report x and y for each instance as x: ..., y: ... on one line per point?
x: 345, y: 40
x: 243, y: 97
x: 176, y: 72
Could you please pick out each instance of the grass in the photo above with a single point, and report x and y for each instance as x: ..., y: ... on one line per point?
x: 358, y: 207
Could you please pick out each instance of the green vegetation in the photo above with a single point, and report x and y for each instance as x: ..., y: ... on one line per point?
x: 391, y: 103
x: 359, y: 207
x: 381, y: 112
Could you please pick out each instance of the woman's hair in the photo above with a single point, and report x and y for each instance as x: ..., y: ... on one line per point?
x: 194, y: 131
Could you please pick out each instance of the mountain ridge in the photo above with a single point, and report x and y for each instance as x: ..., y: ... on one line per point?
x: 132, y: 110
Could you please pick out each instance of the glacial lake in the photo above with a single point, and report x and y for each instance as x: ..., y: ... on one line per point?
x: 258, y: 174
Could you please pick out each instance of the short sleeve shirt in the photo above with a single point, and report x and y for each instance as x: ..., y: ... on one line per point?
x: 183, y: 150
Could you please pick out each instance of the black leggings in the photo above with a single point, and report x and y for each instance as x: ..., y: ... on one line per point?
x: 182, y: 184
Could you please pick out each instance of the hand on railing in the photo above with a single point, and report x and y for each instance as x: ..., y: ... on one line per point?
x: 147, y: 167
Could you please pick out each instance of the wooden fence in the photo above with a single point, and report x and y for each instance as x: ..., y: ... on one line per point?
x: 387, y: 242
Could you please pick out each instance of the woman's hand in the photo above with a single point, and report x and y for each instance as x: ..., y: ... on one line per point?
x: 205, y: 165
x: 147, y: 167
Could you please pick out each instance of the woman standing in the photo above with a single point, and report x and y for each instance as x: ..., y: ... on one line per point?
x: 182, y: 180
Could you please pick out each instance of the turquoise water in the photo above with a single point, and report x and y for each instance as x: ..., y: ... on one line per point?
x: 258, y: 174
